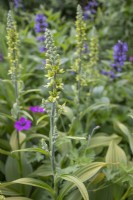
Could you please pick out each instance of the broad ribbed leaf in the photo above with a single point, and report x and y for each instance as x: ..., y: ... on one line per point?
x: 103, y: 140
x: 75, y: 138
x: 41, y: 118
x: 68, y: 112
x: 125, y: 131
x: 17, y: 198
x: 29, y: 181
x: 5, y: 152
x: 115, y: 154
x: 33, y: 150
x: 76, y: 181
x: 30, y: 91
x: 84, y: 174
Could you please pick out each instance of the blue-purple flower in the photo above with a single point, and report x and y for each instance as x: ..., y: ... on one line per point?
x: 119, y: 54
x: 90, y: 9
x: 17, y: 3
x: 120, y: 50
x: 40, y: 28
x: 36, y: 109
x: 23, y: 124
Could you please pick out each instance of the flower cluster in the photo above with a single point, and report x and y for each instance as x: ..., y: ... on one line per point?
x: 36, y: 109
x: 40, y: 28
x: 53, y: 68
x: 90, y: 9
x: 131, y: 59
x: 22, y: 124
x: 119, y: 54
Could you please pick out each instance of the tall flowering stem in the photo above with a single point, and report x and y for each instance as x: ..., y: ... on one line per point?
x: 80, y: 49
x: 13, y: 53
x: 13, y: 57
x: 55, y: 85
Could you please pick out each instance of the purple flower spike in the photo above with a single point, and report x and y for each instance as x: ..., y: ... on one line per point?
x: 36, y: 109
x: 41, y: 23
x: 17, y: 3
x: 120, y: 50
x: 119, y: 54
x: 22, y: 124
x: 40, y: 28
x: 90, y: 9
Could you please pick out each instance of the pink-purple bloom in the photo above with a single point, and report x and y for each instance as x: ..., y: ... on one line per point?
x: 36, y: 109
x: 1, y: 57
x: 23, y: 124
x: 131, y: 59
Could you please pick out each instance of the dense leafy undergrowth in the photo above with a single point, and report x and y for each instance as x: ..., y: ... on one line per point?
x: 66, y: 93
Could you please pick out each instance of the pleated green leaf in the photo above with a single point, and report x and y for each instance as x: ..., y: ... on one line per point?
x: 42, y: 151
x: 125, y: 132
x: 103, y: 140
x: 84, y: 174
x: 29, y: 181
x: 18, y: 198
x: 115, y: 155
x: 76, y: 181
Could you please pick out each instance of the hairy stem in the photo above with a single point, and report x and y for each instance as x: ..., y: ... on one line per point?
x: 78, y: 84
x: 52, y: 143
x: 52, y: 136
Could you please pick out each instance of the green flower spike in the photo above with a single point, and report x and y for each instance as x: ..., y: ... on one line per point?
x: 13, y: 57
x: 53, y: 68
x: 13, y: 47
x: 81, y: 40
x: 79, y: 65
x: 55, y: 85
x: 94, y: 54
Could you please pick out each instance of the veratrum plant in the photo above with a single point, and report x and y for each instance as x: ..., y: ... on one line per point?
x: 58, y: 182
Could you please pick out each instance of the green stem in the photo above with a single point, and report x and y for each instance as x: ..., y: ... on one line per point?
x: 52, y: 136
x: 78, y: 84
x: 52, y: 143
x: 126, y: 194
x: 17, y: 102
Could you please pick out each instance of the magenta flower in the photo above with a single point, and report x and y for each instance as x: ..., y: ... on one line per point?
x: 131, y: 59
x: 36, y: 109
x: 22, y: 124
